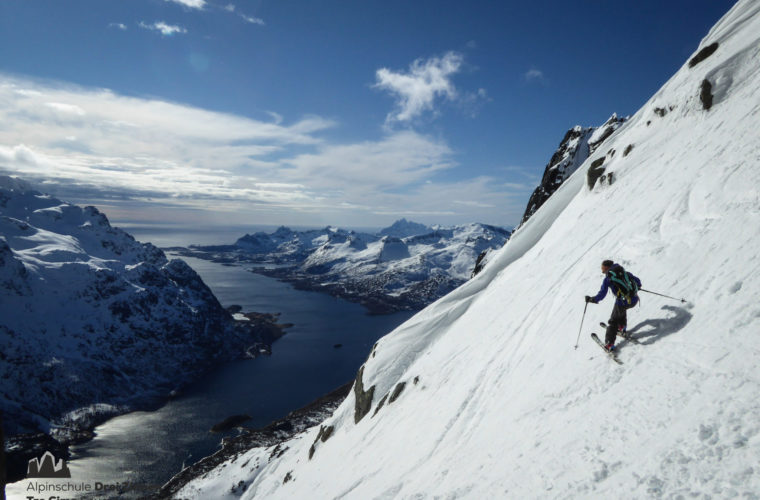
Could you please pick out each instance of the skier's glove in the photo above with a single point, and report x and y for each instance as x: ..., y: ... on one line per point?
x: 590, y: 299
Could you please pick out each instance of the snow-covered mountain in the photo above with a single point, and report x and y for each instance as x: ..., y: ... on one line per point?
x: 577, y: 145
x: 92, y: 321
x: 403, y: 228
x: 482, y: 394
x: 405, y: 266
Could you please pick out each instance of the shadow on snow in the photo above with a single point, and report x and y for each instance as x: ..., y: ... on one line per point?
x: 652, y: 330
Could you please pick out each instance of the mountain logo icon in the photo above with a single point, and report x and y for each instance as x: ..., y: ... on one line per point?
x: 47, y: 467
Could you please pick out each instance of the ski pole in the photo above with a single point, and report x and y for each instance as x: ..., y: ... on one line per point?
x: 661, y: 295
x: 581, y: 328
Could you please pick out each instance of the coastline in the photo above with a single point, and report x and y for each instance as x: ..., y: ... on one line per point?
x: 273, y: 434
x: 80, y: 428
x: 376, y: 303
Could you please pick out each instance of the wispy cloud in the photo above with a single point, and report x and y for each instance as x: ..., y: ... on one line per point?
x: 192, y: 4
x: 232, y: 8
x: 136, y: 154
x: 534, y: 75
x: 416, y: 90
x: 163, y: 28
x: 120, y: 26
x: 400, y: 159
x: 253, y: 20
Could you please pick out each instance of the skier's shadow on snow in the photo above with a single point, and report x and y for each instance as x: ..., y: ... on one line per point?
x: 652, y: 330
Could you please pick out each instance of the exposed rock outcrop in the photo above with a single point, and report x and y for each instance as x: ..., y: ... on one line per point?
x: 703, y: 54
x: 363, y: 399
x: 577, y: 145
x: 705, y: 94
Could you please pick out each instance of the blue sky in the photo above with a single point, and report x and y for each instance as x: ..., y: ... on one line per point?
x: 315, y: 113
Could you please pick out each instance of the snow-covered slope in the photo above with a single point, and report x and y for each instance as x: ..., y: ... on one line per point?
x: 89, y: 316
x: 405, y: 266
x: 482, y: 395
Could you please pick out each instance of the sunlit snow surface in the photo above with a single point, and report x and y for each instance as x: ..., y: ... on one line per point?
x: 505, y: 407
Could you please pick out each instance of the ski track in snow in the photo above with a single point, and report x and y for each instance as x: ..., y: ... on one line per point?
x: 505, y: 407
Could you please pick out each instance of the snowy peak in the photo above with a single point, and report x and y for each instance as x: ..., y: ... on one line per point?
x: 45, y: 231
x: 14, y: 184
x: 403, y: 228
x: 602, y: 133
x: 576, y: 146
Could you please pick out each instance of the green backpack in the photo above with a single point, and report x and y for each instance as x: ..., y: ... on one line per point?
x: 623, y: 285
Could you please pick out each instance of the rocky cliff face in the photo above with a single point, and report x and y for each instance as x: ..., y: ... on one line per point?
x: 577, y: 145
x: 93, y: 322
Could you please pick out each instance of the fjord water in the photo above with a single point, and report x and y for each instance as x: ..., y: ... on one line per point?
x: 146, y: 448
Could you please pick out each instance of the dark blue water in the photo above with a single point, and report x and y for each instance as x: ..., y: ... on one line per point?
x: 147, y: 448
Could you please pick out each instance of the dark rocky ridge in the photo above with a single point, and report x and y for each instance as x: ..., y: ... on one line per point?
x: 578, y: 144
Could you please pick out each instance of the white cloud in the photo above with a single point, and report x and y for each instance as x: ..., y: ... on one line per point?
x: 120, y: 141
x: 19, y: 154
x: 534, y: 75
x: 133, y: 154
x: 395, y: 161
x: 192, y: 4
x: 120, y: 26
x: 66, y: 108
x: 472, y: 199
x: 162, y: 27
x: 231, y: 8
x: 416, y: 91
x: 253, y: 20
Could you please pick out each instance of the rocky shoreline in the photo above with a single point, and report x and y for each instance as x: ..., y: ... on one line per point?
x: 19, y: 449
x: 374, y: 302
x: 272, y: 435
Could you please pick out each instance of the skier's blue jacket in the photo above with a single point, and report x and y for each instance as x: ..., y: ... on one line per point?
x: 620, y: 300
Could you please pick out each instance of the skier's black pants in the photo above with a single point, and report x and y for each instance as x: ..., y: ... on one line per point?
x: 618, y: 321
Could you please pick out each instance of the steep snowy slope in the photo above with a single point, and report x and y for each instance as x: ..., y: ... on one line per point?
x: 481, y: 395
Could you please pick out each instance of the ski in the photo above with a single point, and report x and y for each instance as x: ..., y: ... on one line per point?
x: 622, y: 334
x: 609, y: 353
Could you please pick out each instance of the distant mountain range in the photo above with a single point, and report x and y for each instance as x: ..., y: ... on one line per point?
x: 402, y: 267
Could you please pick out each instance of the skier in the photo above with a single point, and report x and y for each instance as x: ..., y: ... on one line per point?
x: 625, y: 286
